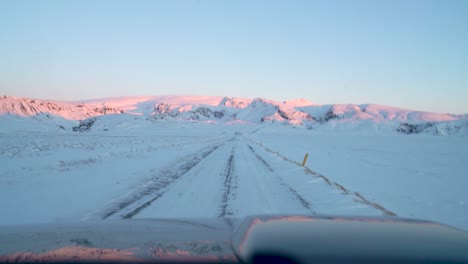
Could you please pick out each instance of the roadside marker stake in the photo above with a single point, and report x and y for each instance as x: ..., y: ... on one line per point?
x: 305, y: 159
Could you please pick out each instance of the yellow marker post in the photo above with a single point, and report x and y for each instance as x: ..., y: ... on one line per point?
x: 305, y: 159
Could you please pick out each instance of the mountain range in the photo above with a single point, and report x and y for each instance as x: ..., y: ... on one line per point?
x: 105, y: 114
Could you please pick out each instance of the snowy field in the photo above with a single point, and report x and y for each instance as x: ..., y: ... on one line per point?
x: 176, y: 169
x: 417, y: 176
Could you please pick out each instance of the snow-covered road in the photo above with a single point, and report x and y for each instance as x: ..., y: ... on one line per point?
x: 178, y: 170
x: 234, y: 178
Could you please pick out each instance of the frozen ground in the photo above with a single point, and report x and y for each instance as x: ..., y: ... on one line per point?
x: 173, y: 169
x: 418, y: 176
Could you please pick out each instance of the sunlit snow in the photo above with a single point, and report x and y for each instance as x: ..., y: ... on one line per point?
x: 170, y: 156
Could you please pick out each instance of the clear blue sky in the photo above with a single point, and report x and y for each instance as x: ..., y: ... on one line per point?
x: 412, y: 54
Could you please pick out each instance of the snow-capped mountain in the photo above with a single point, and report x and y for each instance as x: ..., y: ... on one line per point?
x: 231, y: 110
x: 253, y: 111
x: 34, y: 107
x: 375, y: 112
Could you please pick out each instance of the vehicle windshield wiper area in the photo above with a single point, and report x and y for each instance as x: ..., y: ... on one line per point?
x: 254, y: 239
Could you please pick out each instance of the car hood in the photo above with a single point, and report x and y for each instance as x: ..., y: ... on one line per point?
x: 297, y: 238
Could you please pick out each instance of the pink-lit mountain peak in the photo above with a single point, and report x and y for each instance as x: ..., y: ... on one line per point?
x: 218, y: 109
x: 21, y: 106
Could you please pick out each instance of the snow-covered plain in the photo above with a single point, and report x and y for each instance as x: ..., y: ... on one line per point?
x: 416, y: 176
x: 191, y: 161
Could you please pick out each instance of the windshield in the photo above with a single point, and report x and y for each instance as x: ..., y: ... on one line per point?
x: 216, y: 109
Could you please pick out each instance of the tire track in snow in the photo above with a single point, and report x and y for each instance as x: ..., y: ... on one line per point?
x: 304, y: 203
x: 358, y: 197
x: 134, y: 203
x: 230, y: 185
